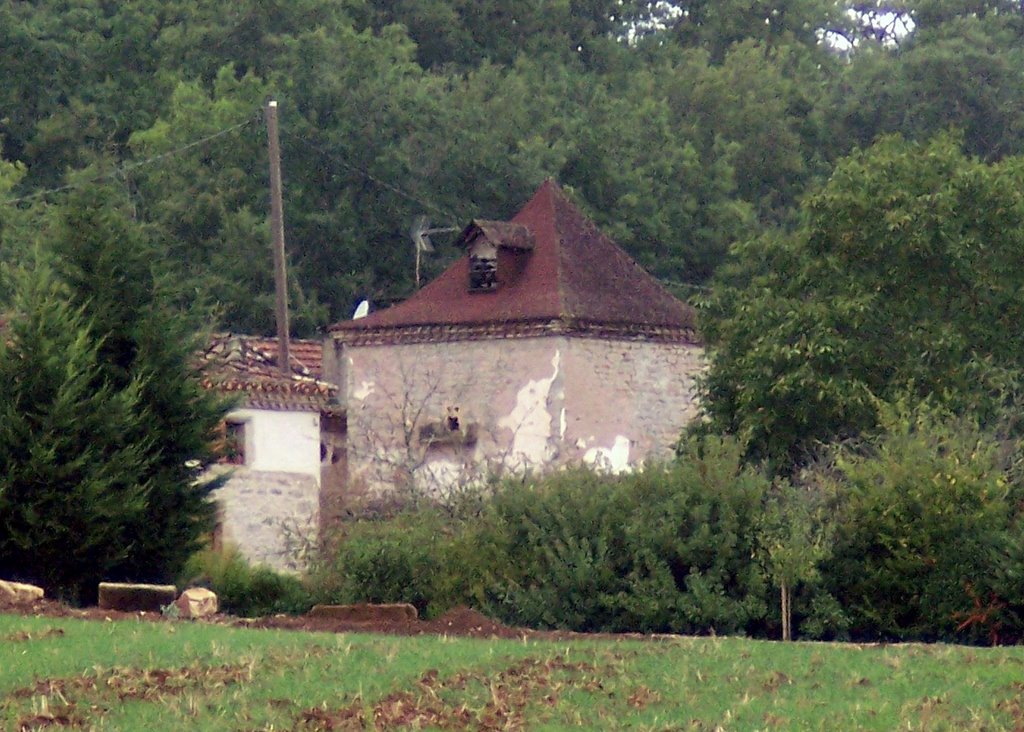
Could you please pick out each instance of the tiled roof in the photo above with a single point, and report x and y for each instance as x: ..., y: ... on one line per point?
x: 306, y: 355
x: 572, y: 279
x: 247, y: 365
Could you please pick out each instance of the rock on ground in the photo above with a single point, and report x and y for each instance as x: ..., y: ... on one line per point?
x: 19, y: 593
x: 197, y: 602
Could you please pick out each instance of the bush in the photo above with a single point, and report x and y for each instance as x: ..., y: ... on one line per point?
x: 403, y: 559
x: 243, y: 589
x: 928, y: 539
x: 668, y: 549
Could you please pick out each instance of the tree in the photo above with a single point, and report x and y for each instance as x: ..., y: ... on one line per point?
x: 965, y: 73
x: 147, y: 337
x: 73, y: 477
x: 794, y: 538
x: 904, y: 277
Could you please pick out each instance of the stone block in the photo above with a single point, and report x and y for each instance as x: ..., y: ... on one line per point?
x: 197, y: 602
x: 128, y: 597
x: 367, y: 613
x: 19, y: 593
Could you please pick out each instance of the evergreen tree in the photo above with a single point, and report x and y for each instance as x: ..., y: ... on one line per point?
x: 73, y: 473
x: 148, y: 338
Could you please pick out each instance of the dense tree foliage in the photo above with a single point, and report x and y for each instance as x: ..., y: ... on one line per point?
x: 107, y: 431
x: 903, y: 279
x: 927, y: 520
x: 72, y: 480
x: 682, y: 127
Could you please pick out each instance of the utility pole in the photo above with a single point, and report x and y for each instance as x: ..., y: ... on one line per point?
x: 277, y: 230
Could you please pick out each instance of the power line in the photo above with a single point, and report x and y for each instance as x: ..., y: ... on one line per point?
x: 369, y: 176
x: 132, y: 166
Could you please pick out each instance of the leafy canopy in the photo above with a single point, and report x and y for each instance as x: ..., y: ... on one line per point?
x: 905, y: 276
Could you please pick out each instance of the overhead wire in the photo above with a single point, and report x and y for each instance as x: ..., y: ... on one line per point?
x: 369, y: 176
x: 128, y: 167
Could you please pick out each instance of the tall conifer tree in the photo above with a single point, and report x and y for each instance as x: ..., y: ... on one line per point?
x: 73, y: 471
x: 145, y: 339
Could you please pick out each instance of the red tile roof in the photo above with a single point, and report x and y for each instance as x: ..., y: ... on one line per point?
x: 248, y: 365
x: 554, y: 267
x: 305, y: 355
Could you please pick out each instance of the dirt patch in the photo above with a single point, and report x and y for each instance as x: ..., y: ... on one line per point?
x: 458, y: 622
x: 54, y: 609
x: 509, y: 694
x: 139, y: 684
x: 64, y: 715
x: 23, y: 636
x: 72, y: 701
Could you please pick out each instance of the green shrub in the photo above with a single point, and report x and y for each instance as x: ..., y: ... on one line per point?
x: 403, y: 559
x: 667, y: 549
x: 927, y: 543
x: 243, y: 589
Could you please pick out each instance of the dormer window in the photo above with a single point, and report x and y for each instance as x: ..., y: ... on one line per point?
x: 483, y: 241
x: 483, y: 274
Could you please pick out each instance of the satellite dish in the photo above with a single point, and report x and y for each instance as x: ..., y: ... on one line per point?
x: 362, y: 310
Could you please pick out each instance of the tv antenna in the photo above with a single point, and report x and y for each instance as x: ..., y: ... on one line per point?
x: 420, y: 234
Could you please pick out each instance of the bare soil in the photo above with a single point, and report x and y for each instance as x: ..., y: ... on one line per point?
x: 461, y: 621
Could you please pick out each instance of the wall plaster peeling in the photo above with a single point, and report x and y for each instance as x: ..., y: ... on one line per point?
x: 364, y: 390
x: 530, y: 421
x: 613, y: 460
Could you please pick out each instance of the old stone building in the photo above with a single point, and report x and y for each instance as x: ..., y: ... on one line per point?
x: 544, y: 345
x: 272, y: 445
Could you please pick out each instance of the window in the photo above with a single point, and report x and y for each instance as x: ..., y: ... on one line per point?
x: 483, y: 274
x: 234, y: 443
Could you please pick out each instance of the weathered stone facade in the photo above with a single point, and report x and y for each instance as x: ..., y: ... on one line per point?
x: 521, y: 404
x: 273, y: 449
x: 259, y: 509
x: 544, y: 346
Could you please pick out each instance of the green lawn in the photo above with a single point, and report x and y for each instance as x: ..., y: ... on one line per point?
x: 175, y: 676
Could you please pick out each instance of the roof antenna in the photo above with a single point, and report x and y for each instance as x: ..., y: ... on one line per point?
x: 420, y: 234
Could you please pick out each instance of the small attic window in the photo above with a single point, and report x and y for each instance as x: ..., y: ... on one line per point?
x: 483, y: 274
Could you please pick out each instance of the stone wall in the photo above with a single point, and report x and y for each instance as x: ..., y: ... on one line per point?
x: 434, y: 415
x: 439, y: 415
x: 278, y: 485
x: 255, y: 507
x: 629, y: 400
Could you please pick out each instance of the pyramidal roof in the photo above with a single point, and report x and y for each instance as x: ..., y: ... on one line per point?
x: 556, y: 272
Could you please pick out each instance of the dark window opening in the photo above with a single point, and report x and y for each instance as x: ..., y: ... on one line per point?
x: 452, y: 420
x: 483, y: 274
x: 234, y: 443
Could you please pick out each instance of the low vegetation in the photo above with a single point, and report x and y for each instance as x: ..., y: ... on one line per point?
x: 129, y: 675
x: 913, y: 535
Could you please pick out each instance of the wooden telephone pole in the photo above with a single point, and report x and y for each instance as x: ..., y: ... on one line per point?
x: 277, y: 230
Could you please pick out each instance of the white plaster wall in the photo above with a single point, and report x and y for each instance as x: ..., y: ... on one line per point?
x: 281, y: 441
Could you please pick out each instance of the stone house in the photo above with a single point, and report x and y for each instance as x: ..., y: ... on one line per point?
x: 544, y: 345
x: 272, y: 444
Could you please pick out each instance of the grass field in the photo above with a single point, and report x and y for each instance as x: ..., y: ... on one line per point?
x: 175, y: 676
